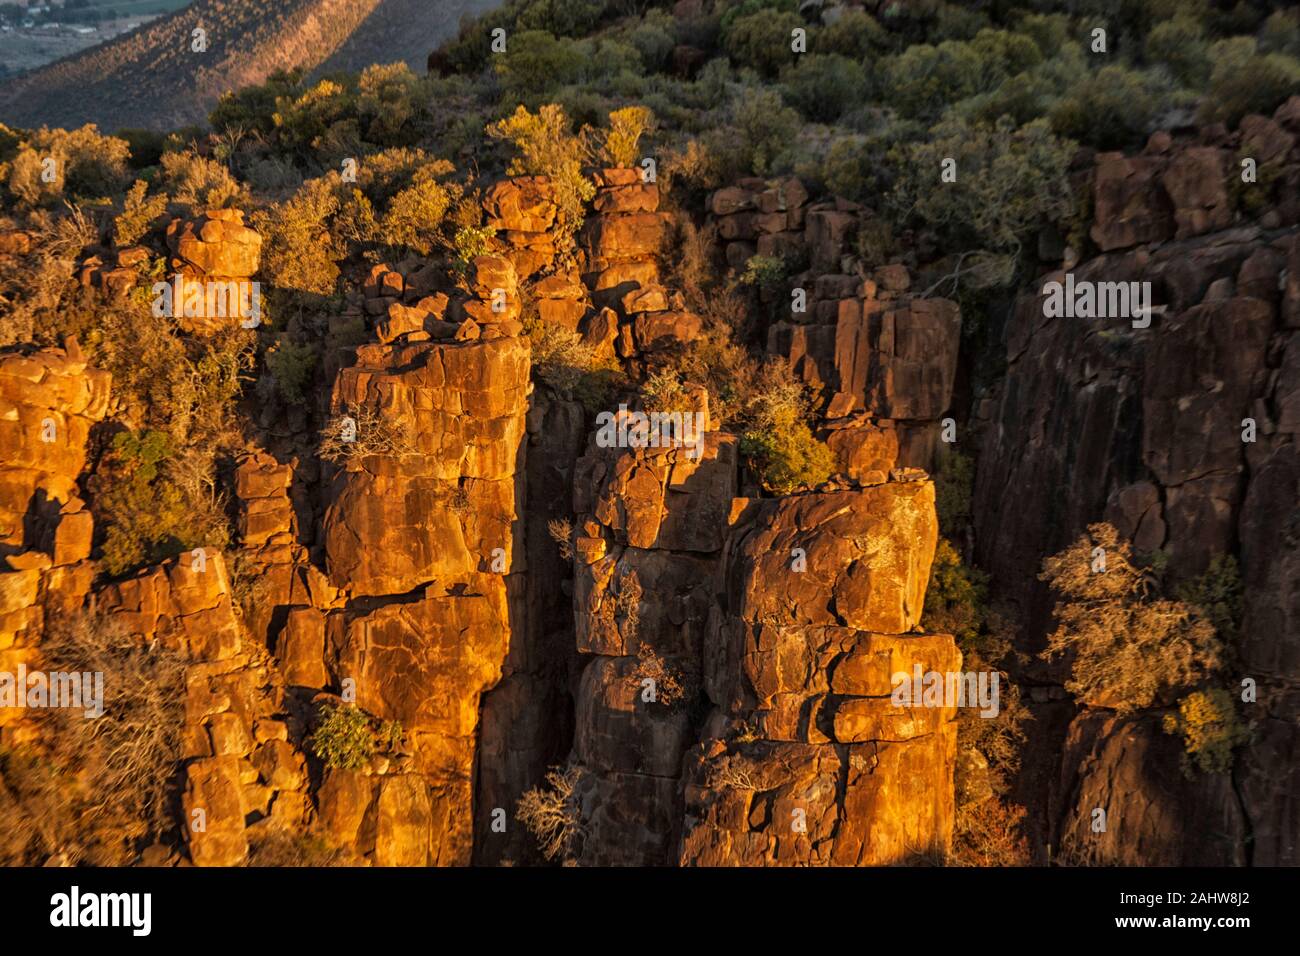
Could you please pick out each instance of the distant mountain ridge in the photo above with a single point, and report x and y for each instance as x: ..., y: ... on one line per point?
x: 152, y: 78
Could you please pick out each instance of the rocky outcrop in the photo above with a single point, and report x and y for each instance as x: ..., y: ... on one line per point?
x: 49, y: 402
x: 245, y: 771
x: 419, y: 533
x: 880, y: 356
x: 213, y: 258
x: 805, y: 759
x: 646, y: 546
x: 1181, y: 435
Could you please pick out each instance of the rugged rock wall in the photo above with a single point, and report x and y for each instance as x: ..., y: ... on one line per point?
x: 712, y: 663
x: 49, y: 402
x: 883, y: 357
x: 1143, y: 427
x: 805, y: 759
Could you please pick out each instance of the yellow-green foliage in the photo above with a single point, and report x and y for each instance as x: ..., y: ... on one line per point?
x: 470, y: 243
x: 777, y: 440
x: 1208, y: 723
x: 344, y: 737
x: 956, y: 596
x: 1218, y: 594
x: 197, y: 182
x: 388, y: 101
x: 761, y: 40
x: 626, y: 127
x: 764, y: 271
x: 50, y: 166
x: 1243, y: 80
x: 292, y: 367
x: 1130, y: 647
x: 545, y: 146
x: 1014, y: 181
x: 662, y: 391
x: 315, y: 119
x: 347, y: 737
x: 138, y: 214
x: 299, y: 252
x: 146, y: 513
x: 562, y: 360
x: 414, y: 217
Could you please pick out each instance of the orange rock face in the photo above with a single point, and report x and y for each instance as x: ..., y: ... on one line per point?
x: 419, y: 536
x: 49, y: 401
x: 830, y: 770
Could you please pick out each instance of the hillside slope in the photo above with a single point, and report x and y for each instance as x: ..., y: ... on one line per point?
x: 152, y: 78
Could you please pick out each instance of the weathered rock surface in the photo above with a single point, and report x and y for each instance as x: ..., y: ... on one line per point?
x: 1181, y: 435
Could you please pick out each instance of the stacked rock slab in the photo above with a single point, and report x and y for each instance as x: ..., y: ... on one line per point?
x: 221, y: 254
x: 418, y: 536
x: 244, y: 770
x: 650, y: 533
x: 805, y: 759
x: 621, y: 241
x: 1148, y: 428
x: 49, y: 401
x: 882, y: 357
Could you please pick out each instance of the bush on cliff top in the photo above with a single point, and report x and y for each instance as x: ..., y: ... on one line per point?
x: 546, y: 146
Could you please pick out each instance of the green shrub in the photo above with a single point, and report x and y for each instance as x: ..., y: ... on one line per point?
x: 662, y: 391
x: 653, y: 40
x: 83, y: 165
x: 146, y: 516
x: 762, y: 128
x: 956, y: 596
x: 1218, y: 593
x: 954, y: 485
x: 344, y: 738
x: 1010, y: 181
x: 197, y: 182
x: 923, y: 79
x: 762, y: 40
x: 292, y: 367
x: 1281, y: 33
x: 389, y: 104
x: 1113, y: 108
x: 545, y: 146
x: 1051, y: 32
x: 1130, y: 647
x: 1180, y: 45
x: 252, y: 108
x: 306, y: 121
x: 536, y: 63
x: 780, y: 446
x: 1208, y: 722
x: 569, y: 18
x: 1243, y: 81
x: 856, y: 35
x: 414, y: 218
x: 764, y: 271
x: 823, y: 87
x: 137, y: 216
x: 563, y: 361
x: 470, y: 243
x: 620, y: 141
x: 299, y: 251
